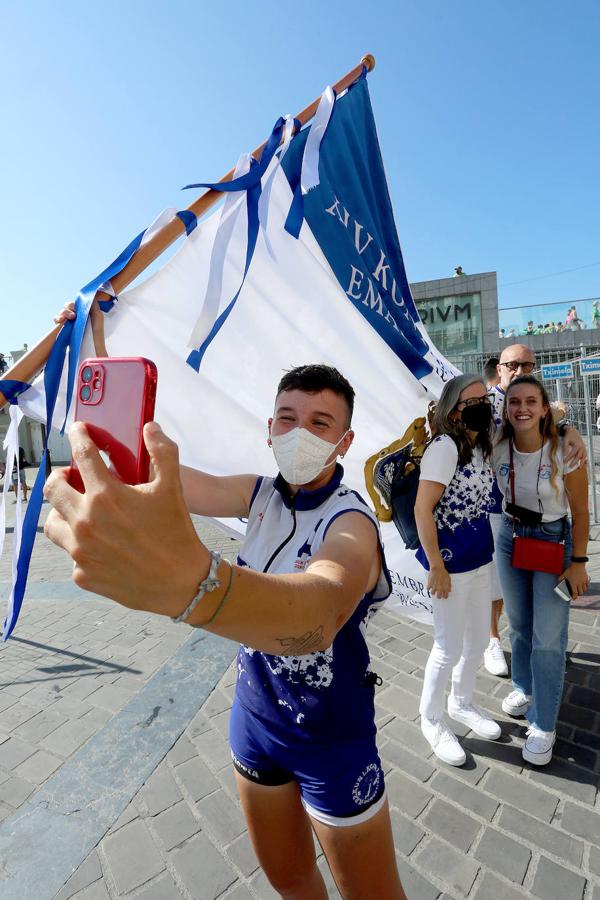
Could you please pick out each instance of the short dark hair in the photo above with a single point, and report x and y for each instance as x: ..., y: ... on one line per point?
x: 490, y: 370
x: 315, y: 378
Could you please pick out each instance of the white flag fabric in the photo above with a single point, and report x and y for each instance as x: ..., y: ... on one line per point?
x: 336, y: 294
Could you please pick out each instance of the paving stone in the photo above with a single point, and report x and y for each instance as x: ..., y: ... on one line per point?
x: 164, y: 888
x: 408, y: 734
x: 201, y: 868
x: 39, y: 767
x: 128, y: 815
x: 15, y: 791
x: 405, y: 631
x: 160, y: 791
x: 69, y: 737
x: 582, y: 823
x: 545, y: 836
x: 567, y: 779
x: 199, y: 725
x: 503, y: 855
x: 554, y: 882
x: 16, y: 714
x: 88, y: 872
x: 505, y: 754
x: 415, y: 885
x: 261, y: 887
x: 13, y: 752
x: 181, y: 751
x: 224, y: 818
x: 399, y: 702
x: 221, y: 723
x: 595, y: 860
x: 216, y: 703
x: 581, y: 756
x: 111, y: 697
x: 242, y: 853
x: 519, y: 793
x: 175, y: 825
x: 197, y: 778
x: 575, y: 715
x: 5, y: 811
x: 492, y: 888
x: 474, y: 800
x: 241, y: 892
x: 587, y: 738
x: 214, y: 749
x: 408, y: 796
x: 450, y: 823
x: 407, y: 762
x: 132, y: 856
x: 447, y: 864
x: 96, y: 891
x: 406, y: 833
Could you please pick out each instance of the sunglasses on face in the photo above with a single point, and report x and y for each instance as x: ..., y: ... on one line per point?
x: 527, y: 367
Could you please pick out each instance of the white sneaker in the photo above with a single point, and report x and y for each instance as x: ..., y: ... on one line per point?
x: 442, y: 741
x: 493, y: 658
x: 516, y: 704
x: 476, y: 719
x: 538, y: 746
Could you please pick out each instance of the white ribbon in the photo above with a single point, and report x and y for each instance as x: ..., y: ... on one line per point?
x: 212, y: 299
x: 309, y: 176
x: 11, y: 445
x: 162, y: 219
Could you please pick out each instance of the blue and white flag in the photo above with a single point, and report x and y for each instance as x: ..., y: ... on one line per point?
x: 302, y: 265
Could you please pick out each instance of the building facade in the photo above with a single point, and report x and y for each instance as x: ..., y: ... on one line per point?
x: 460, y: 314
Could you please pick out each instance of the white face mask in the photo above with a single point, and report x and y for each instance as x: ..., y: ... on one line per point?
x: 301, y: 455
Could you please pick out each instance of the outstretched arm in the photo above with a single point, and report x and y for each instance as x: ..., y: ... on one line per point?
x: 137, y: 545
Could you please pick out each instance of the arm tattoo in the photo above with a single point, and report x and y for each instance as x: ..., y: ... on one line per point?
x: 305, y: 643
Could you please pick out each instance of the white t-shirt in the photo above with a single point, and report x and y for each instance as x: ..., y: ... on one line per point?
x: 528, y: 490
x: 462, y: 514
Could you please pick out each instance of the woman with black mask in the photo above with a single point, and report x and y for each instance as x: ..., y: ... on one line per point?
x: 452, y: 515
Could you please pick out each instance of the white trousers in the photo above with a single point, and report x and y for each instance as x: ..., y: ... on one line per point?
x: 461, y: 627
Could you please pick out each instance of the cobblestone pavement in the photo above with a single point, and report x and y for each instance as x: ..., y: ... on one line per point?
x: 495, y: 828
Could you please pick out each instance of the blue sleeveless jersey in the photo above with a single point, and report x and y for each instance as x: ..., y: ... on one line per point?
x: 327, y: 694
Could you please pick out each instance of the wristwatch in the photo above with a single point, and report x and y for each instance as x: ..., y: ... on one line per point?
x: 580, y: 559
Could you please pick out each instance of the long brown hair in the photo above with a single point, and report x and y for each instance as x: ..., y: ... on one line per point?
x: 444, y: 424
x: 548, y: 429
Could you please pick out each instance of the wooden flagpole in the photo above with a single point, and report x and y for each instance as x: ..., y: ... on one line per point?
x: 34, y: 360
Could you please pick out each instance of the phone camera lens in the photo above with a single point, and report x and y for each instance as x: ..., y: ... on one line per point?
x: 86, y: 392
x: 87, y: 374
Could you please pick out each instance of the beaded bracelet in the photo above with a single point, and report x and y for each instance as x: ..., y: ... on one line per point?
x: 210, y: 583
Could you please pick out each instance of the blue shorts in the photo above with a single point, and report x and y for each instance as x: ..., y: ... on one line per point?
x: 340, y: 783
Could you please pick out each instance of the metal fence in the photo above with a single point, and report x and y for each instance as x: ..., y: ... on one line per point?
x: 578, y: 394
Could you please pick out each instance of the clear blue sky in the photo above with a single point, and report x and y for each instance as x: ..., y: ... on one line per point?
x: 488, y: 118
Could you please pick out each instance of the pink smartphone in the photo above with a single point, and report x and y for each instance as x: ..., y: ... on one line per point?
x: 115, y: 399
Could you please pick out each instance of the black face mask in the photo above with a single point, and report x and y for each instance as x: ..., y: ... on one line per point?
x: 478, y: 417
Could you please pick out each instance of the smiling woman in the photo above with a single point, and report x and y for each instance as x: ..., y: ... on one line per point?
x: 539, y: 490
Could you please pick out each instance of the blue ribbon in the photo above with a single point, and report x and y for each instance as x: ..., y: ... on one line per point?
x: 251, y: 183
x: 11, y: 389
x: 70, y: 337
x: 189, y: 220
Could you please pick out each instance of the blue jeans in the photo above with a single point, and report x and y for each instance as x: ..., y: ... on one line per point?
x: 538, y: 620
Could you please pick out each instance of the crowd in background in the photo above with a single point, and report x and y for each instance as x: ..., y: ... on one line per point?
x: 572, y: 322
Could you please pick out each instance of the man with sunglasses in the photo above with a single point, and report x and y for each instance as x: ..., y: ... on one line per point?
x: 516, y: 360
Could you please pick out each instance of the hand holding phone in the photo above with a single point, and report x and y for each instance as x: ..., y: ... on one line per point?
x: 115, y: 399
x: 563, y: 589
